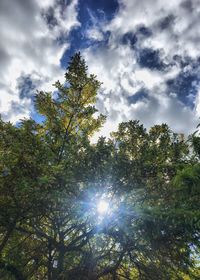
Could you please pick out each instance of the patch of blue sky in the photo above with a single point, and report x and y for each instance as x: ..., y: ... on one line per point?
x: 89, y: 11
x: 186, y: 84
x: 139, y: 95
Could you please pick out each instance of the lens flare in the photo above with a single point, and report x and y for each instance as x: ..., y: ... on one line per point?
x: 102, y: 207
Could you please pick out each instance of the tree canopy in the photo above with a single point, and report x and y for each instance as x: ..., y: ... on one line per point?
x: 126, y: 207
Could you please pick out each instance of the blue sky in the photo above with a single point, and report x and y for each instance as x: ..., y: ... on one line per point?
x: 145, y: 52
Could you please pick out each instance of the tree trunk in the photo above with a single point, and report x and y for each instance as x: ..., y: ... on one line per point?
x: 61, y: 256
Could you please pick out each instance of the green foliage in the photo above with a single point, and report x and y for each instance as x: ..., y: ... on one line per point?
x: 52, y: 177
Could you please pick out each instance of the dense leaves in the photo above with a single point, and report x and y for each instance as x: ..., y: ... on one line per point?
x: 52, y: 178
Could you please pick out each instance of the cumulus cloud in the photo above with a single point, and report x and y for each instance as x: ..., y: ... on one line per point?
x: 153, y: 45
x: 146, y: 55
x: 33, y: 39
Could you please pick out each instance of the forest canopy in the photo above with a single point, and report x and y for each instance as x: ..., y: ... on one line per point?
x: 126, y: 207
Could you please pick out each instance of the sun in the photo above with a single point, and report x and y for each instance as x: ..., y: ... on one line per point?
x: 102, y: 207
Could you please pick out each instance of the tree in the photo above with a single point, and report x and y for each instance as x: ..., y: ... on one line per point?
x: 53, y: 177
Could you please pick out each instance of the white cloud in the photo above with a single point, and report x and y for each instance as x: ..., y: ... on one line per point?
x: 30, y: 46
x: 116, y: 65
x: 94, y: 34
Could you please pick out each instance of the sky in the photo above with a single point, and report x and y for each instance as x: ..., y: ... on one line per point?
x: 146, y: 54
